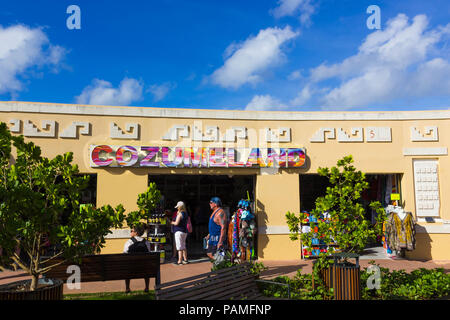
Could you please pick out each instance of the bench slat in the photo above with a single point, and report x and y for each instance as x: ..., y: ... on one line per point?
x: 203, y: 275
x: 231, y: 290
x: 206, y: 289
x: 206, y: 281
x: 198, y: 286
x: 230, y: 283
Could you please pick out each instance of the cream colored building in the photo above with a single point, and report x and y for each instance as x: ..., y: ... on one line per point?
x: 403, y: 152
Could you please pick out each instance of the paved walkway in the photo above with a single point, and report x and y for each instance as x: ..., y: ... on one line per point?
x: 170, y: 272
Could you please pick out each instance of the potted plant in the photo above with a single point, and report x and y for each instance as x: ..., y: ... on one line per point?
x: 339, y: 223
x: 41, y: 215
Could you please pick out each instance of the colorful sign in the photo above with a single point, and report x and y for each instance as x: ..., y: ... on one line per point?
x: 195, y: 157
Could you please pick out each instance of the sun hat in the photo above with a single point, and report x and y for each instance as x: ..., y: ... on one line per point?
x: 179, y: 204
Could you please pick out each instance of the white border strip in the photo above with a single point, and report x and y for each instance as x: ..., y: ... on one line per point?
x: 431, y: 220
x: 440, y: 151
x: 273, y: 230
x: 430, y: 228
x: 148, y: 112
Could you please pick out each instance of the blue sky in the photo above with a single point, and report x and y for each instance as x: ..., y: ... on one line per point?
x: 305, y: 55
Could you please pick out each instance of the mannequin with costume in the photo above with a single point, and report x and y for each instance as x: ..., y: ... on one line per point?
x: 400, y: 230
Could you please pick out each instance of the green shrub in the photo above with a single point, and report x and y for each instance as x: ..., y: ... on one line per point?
x: 300, y: 288
x: 255, y: 268
x: 420, y: 284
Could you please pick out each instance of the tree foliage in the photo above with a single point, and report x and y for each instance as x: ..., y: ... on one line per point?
x: 147, y: 202
x: 341, y: 214
x: 40, y: 206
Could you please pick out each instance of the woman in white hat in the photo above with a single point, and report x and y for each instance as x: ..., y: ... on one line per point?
x: 180, y: 231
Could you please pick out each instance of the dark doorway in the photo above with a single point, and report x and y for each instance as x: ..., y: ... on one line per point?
x: 196, y: 191
x: 312, y: 186
x: 89, y: 195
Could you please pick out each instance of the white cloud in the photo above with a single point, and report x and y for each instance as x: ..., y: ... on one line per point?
x: 432, y: 77
x: 303, y: 8
x: 295, y: 75
x: 270, y: 103
x: 101, y: 92
x: 246, y: 61
x: 22, y: 49
x: 399, y: 62
x: 264, y: 103
x: 160, y: 91
x: 303, y: 97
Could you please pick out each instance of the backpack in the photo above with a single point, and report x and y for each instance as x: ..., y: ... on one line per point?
x: 189, y: 225
x: 137, y: 246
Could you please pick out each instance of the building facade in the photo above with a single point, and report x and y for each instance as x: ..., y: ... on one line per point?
x: 271, y: 157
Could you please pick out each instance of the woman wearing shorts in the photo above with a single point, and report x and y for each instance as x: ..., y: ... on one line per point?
x: 180, y: 231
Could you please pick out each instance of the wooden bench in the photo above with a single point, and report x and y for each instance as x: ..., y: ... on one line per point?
x: 235, y: 283
x: 105, y: 267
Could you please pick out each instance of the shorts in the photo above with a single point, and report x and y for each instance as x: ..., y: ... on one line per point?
x: 211, y: 249
x: 180, y: 240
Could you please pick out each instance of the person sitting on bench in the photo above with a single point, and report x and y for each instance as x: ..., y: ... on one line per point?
x: 136, y: 244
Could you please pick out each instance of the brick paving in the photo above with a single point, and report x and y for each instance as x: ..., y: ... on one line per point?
x: 170, y: 272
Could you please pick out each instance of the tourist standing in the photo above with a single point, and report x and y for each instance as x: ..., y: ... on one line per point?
x: 180, y: 232
x: 217, y: 227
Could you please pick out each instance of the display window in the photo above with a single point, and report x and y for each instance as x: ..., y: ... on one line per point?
x: 381, y: 188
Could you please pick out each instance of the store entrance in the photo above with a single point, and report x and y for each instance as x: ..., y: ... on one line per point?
x: 381, y: 186
x: 196, y: 191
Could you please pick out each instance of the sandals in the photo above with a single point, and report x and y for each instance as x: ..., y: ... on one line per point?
x: 185, y: 262
x: 177, y: 263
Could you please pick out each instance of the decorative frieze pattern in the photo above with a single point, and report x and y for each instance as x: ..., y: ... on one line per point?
x: 16, y: 124
x: 322, y: 134
x: 429, y: 134
x: 356, y: 135
x: 371, y: 134
x: 378, y: 134
x: 196, y: 132
x: 283, y: 135
x: 176, y: 132
x: 48, y: 129
x: 132, y: 131
x: 71, y: 130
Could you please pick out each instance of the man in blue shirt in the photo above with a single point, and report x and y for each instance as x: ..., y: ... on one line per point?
x: 217, y: 227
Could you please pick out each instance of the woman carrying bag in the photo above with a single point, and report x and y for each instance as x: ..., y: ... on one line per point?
x: 181, y: 232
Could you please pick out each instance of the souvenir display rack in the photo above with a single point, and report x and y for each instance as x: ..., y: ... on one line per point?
x: 318, y: 246
x: 242, y: 232
x: 156, y: 233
